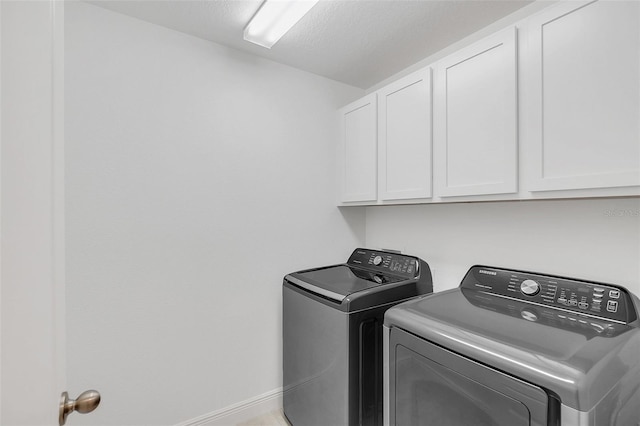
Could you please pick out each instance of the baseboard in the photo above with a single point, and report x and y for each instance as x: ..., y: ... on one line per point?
x: 240, y: 412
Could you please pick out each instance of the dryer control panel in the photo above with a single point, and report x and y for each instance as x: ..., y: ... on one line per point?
x: 588, y: 298
x: 386, y: 262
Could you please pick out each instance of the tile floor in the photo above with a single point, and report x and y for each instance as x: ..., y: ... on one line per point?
x: 272, y: 418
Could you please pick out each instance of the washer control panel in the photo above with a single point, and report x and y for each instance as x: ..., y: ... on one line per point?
x: 387, y: 262
x: 589, y: 298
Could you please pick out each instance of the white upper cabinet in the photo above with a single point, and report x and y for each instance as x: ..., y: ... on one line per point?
x: 555, y: 114
x: 404, y: 138
x: 358, y: 151
x: 583, y: 96
x: 476, y: 119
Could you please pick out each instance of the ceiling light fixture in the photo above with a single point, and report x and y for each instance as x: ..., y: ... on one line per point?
x: 274, y: 19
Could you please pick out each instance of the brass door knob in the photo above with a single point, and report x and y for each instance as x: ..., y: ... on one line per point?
x: 86, y: 402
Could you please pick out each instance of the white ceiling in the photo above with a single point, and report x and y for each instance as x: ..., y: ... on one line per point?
x: 358, y: 42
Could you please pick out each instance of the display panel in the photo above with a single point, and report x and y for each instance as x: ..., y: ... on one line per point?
x: 385, y: 262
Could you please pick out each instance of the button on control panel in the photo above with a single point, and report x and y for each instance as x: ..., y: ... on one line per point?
x: 587, y: 298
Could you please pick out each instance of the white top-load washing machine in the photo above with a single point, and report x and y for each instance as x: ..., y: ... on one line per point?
x: 511, y: 348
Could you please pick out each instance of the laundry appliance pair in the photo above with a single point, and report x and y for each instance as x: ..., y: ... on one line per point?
x: 504, y: 348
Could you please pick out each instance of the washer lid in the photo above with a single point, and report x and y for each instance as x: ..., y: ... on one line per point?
x: 338, y: 282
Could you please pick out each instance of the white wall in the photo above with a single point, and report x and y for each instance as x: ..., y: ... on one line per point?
x: 596, y: 239
x: 197, y: 176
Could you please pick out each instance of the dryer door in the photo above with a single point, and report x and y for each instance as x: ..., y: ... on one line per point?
x: 431, y: 386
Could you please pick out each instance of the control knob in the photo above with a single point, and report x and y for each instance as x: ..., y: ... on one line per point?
x: 377, y: 260
x: 530, y: 287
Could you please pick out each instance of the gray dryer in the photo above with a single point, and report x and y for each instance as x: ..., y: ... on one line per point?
x: 513, y: 348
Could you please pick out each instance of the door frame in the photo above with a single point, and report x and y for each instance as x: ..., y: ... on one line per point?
x: 32, y: 218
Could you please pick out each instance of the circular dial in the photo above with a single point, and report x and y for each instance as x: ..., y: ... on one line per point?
x: 377, y: 260
x: 530, y: 287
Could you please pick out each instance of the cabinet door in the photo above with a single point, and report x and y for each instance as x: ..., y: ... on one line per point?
x: 358, y: 150
x: 404, y: 138
x: 583, y: 108
x: 475, y: 119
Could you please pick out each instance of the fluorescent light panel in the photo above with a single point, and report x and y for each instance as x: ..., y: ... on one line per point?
x: 274, y: 19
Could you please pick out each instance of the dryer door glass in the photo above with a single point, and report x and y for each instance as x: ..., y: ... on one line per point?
x: 431, y: 386
x: 429, y: 394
